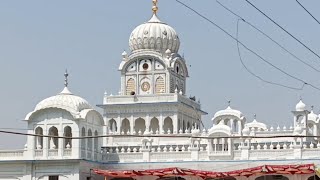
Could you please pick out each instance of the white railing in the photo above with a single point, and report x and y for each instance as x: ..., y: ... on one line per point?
x: 53, y: 152
x: 11, y: 154
x: 38, y: 153
x: 67, y: 152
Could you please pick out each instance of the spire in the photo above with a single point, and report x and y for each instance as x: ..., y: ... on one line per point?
x: 66, y: 90
x: 155, y: 6
x: 66, y: 78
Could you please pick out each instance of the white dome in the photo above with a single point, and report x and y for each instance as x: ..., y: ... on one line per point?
x: 64, y: 100
x: 256, y: 125
x: 154, y: 35
x: 300, y: 106
x: 228, y: 112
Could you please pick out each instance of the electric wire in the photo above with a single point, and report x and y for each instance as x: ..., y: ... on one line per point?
x: 269, y: 37
x: 308, y: 12
x: 255, y: 75
x: 247, y: 48
x: 158, y: 136
x: 283, y: 29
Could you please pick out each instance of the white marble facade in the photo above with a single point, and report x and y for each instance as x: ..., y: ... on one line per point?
x: 139, y: 122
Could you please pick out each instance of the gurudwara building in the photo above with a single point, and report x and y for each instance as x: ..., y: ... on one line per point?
x: 152, y: 130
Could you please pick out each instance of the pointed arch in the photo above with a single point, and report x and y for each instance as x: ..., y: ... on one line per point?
x: 39, y: 139
x: 130, y: 87
x: 139, y: 125
x: 168, y: 125
x: 125, y: 126
x: 154, y: 125
x: 89, y: 140
x: 67, y: 133
x: 160, y: 85
x: 113, y: 125
x: 53, y: 141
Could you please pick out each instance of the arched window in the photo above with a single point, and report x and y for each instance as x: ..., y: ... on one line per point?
x: 83, y: 141
x: 140, y: 125
x: 39, y: 139
x: 113, y: 125
x: 67, y: 133
x: 160, y: 85
x: 95, y: 143
x: 154, y: 125
x: 53, y: 141
x: 168, y: 125
x: 125, y: 126
x: 89, y: 140
x: 131, y: 87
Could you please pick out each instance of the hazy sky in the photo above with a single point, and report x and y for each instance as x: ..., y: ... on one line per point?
x: 40, y: 39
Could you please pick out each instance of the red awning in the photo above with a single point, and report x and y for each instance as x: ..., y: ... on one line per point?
x: 169, y: 172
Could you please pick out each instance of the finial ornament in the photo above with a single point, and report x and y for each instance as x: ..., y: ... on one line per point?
x: 155, y: 6
x: 254, y: 116
x: 66, y: 78
x: 229, y: 103
x: 312, y: 108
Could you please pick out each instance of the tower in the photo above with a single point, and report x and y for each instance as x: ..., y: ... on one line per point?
x: 152, y: 99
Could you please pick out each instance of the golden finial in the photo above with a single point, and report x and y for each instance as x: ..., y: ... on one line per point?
x: 154, y: 7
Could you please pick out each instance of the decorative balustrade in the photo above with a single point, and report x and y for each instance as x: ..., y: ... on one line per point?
x: 67, y: 152
x: 38, y: 152
x: 53, y: 152
x: 11, y: 154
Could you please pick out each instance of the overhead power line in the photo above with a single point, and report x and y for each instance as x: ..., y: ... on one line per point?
x: 255, y: 75
x: 269, y: 37
x: 158, y: 135
x: 283, y: 29
x: 308, y: 12
x: 253, y: 52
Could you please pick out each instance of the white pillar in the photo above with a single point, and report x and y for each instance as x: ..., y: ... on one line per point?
x: 132, y: 125
x: 239, y: 126
x: 161, y: 123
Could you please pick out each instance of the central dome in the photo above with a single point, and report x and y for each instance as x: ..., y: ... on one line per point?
x: 154, y: 35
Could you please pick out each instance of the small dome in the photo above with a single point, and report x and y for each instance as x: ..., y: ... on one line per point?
x: 312, y: 116
x: 154, y: 35
x: 300, y: 106
x: 256, y: 125
x: 229, y: 112
x: 64, y: 100
x: 246, y: 131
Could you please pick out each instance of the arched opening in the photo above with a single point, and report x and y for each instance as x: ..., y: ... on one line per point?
x: 315, y: 177
x: 168, y: 125
x: 95, y: 143
x: 188, y: 126
x: 113, y: 125
x: 131, y: 87
x: 272, y: 177
x: 160, y: 86
x: 183, y: 126
x: 39, y: 139
x: 154, y: 125
x: 89, y: 140
x: 125, y: 126
x: 139, y: 125
x: 83, y: 140
x: 67, y: 133
x: 53, y: 141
